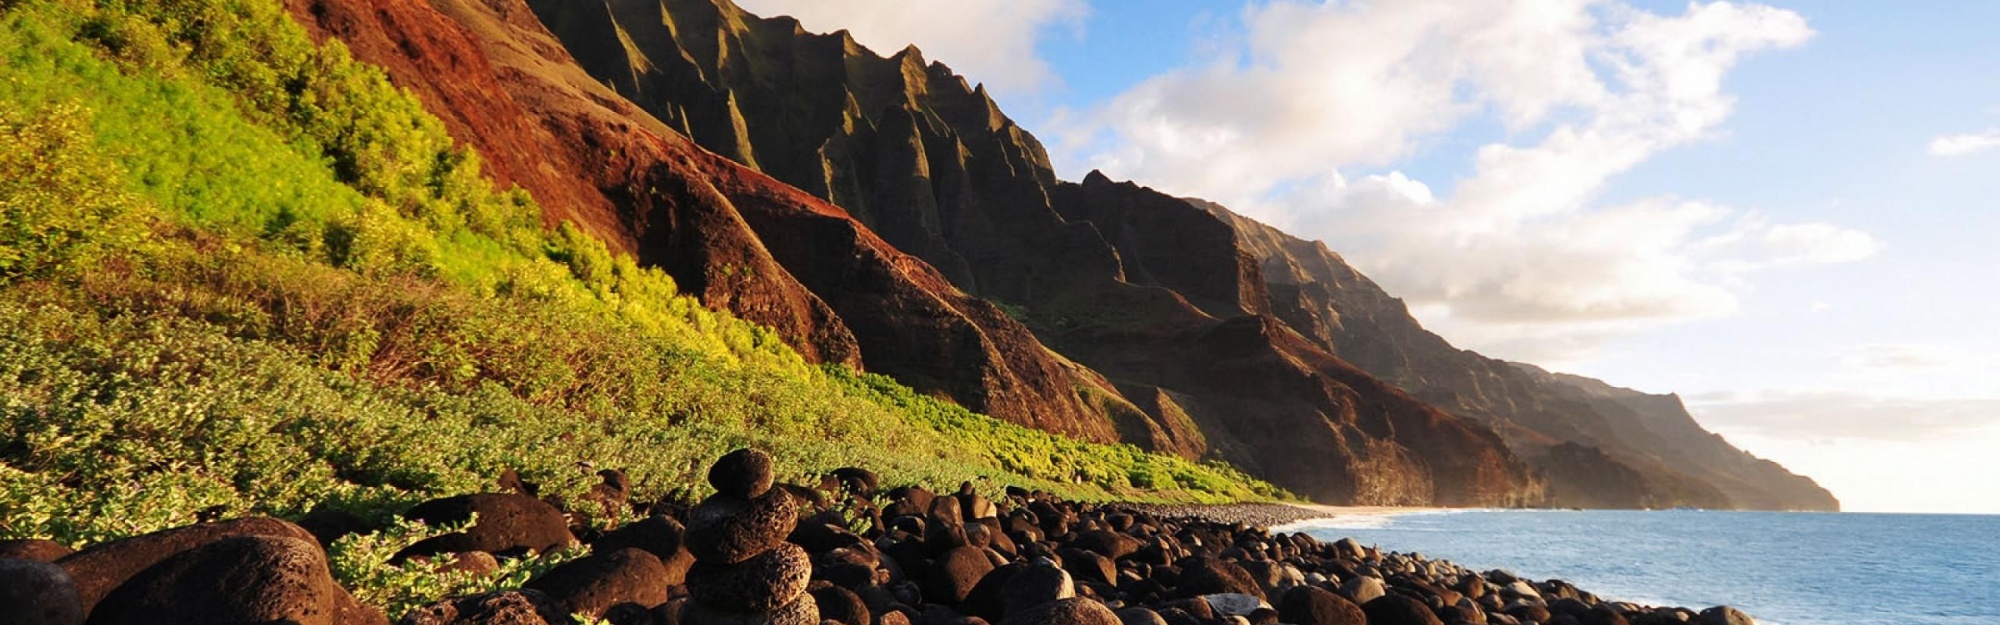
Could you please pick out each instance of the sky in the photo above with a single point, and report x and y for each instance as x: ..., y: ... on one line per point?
x: 1786, y: 212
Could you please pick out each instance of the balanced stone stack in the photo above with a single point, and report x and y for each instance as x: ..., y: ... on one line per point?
x: 744, y: 571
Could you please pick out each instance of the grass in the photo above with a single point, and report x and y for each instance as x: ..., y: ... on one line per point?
x: 243, y: 274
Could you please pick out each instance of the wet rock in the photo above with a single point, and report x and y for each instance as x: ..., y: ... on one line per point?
x: 37, y: 593
x: 1307, y: 605
x: 595, y: 583
x: 727, y: 530
x: 1072, y: 611
x: 37, y: 550
x: 744, y: 474
x: 508, y: 525
x: 760, y: 584
x: 99, y: 568
x: 242, y: 579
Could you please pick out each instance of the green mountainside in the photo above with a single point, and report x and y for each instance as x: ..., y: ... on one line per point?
x: 241, y: 273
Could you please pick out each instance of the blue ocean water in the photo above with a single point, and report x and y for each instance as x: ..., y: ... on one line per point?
x: 1783, y: 568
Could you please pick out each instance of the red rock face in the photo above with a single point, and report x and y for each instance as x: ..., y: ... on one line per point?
x: 836, y: 291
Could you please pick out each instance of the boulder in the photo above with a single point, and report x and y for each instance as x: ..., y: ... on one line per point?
x: 1035, y: 585
x: 953, y: 575
x: 37, y: 550
x: 842, y: 606
x: 1208, y: 576
x: 803, y: 611
x: 507, y: 607
x: 1307, y: 605
x: 1233, y: 604
x: 594, y: 584
x: 37, y: 593
x: 659, y: 535
x: 242, y: 579
x: 1140, y: 616
x: 727, y: 530
x: 1723, y: 615
x: 508, y: 525
x: 744, y: 473
x: 1072, y: 611
x: 104, y: 566
x: 760, y: 584
x: 1363, y: 589
x: 1398, y: 609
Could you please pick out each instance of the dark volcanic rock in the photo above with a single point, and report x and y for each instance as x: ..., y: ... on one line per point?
x: 1308, y: 605
x: 37, y: 550
x: 659, y: 535
x: 842, y: 606
x: 1034, y: 586
x: 1723, y: 615
x: 605, y: 579
x: 1399, y: 609
x: 243, y: 579
x: 803, y: 611
x: 760, y: 584
x: 727, y: 530
x: 1208, y: 576
x: 954, y: 574
x: 507, y: 525
x: 506, y: 607
x: 744, y: 473
x: 99, y: 568
x: 37, y: 593
x: 1075, y: 611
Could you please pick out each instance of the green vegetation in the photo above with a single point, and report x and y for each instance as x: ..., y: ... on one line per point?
x: 240, y: 273
x: 361, y: 562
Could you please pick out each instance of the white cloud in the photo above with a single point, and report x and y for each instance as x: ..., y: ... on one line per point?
x: 990, y: 41
x: 1901, y: 357
x: 1961, y: 145
x: 1823, y: 415
x: 1520, y: 254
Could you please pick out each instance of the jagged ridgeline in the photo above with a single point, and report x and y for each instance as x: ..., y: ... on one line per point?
x: 242, y: 272
x: 1219, y: 337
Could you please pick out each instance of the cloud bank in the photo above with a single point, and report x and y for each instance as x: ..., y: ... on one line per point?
x: 990, y: 41
x: 1966, y: 144
x: 1520, y: 256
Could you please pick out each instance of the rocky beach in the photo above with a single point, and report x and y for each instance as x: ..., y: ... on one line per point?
x: 846, y: 550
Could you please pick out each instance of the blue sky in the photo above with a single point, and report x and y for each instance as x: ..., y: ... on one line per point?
x: 1787, y: 212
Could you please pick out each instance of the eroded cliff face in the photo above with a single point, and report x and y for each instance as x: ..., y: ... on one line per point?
x: 510, y: 90
x: 1599, y: 446
x: 1152, y: 293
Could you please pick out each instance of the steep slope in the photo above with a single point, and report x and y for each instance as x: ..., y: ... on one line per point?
x: 1162, y: 302
x: 507, y: 88
x: 1661, y: 424
x: 1600, y: 446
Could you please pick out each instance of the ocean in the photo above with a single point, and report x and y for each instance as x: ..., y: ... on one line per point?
x: 1782, y: 568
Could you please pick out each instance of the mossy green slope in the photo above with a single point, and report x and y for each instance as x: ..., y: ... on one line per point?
x: 241, y: 273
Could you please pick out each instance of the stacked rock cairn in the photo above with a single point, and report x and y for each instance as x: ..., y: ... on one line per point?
x: 744, y: 571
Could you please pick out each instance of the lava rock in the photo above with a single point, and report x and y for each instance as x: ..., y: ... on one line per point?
x: 243, y: 579
x: 1723, y: 615
x: 1035, y: 585
x: 508, y: 607
x: 37, y: 550
x: 1363, y: 589
x: 1397, y: 609
x: 803, y: 611
x: 1072, y: 611
x: 659, y: 535
x: 1306, y: 605
x: 842, y: 606
x: 953, y: 576
x: 508, y: 525
x: 33, y: 592
x: 727, y: 530
x: 1208, y: 576
x: 744, y: 473
x: 760, y: 584
x: 99, y: 568
x: 594, y: 584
